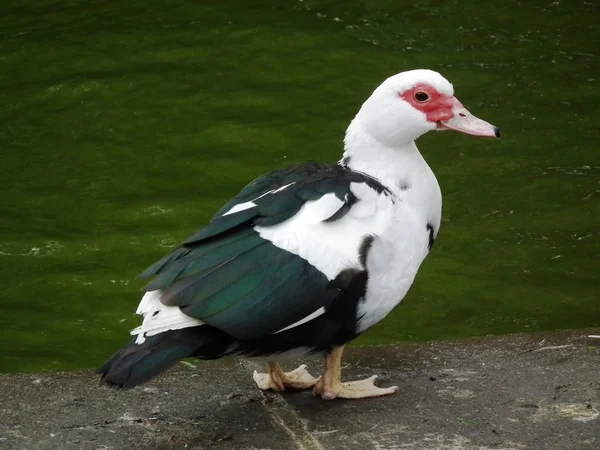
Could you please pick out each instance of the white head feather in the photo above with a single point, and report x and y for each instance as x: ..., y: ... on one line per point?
x: 389, y: 120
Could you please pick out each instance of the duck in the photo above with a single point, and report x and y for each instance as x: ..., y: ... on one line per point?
x: 307, y: 258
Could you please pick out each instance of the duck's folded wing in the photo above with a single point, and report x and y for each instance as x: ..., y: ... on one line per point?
x: 265, y: 261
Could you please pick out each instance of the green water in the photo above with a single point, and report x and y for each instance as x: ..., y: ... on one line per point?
x: 125, y: 125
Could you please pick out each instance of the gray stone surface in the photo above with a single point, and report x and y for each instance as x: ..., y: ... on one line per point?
x: 536, y: 391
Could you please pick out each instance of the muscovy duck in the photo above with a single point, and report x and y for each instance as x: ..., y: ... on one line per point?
x: 305, y: 259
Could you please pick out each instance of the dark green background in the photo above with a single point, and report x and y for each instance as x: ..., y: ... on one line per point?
x: 125, y: 125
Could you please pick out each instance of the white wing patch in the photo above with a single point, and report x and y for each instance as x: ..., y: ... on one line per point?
x: 280, y: 189
x: 240, y: 207
x: 317, y: 313
x: 314, y: 211
x: 332, y: 246
x: 159, y: 318
x: 247, y: 205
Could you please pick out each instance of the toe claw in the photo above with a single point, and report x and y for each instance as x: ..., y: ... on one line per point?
x: 328, y: 396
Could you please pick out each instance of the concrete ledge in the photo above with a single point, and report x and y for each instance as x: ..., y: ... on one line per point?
x: 535, y: 391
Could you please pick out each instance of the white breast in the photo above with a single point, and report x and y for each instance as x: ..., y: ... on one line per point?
x: 392, y: 264
x: 403, y: 244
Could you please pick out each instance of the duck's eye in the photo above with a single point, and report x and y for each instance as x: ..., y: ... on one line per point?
x: 421, y: 96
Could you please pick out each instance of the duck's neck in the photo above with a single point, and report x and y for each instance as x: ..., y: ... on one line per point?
x: 400, y: 168
x: 394, y: 166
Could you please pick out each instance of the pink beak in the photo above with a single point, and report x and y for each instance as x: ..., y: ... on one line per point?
x: 465, y: 122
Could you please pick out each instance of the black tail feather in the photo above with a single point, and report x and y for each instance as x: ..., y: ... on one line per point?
x: 135, y: 363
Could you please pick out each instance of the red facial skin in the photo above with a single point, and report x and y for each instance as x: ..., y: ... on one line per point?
x: 438, y: 108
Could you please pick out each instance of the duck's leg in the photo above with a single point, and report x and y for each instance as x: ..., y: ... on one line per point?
x: 278, y: 380
x: 330, y: 385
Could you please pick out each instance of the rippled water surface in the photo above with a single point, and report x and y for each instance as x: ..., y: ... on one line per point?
x: 125, y: 125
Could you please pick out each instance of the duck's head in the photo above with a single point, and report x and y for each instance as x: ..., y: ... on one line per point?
x: 409, y: 104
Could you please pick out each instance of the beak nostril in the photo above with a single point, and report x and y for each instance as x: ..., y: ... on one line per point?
x: 462, y: 114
